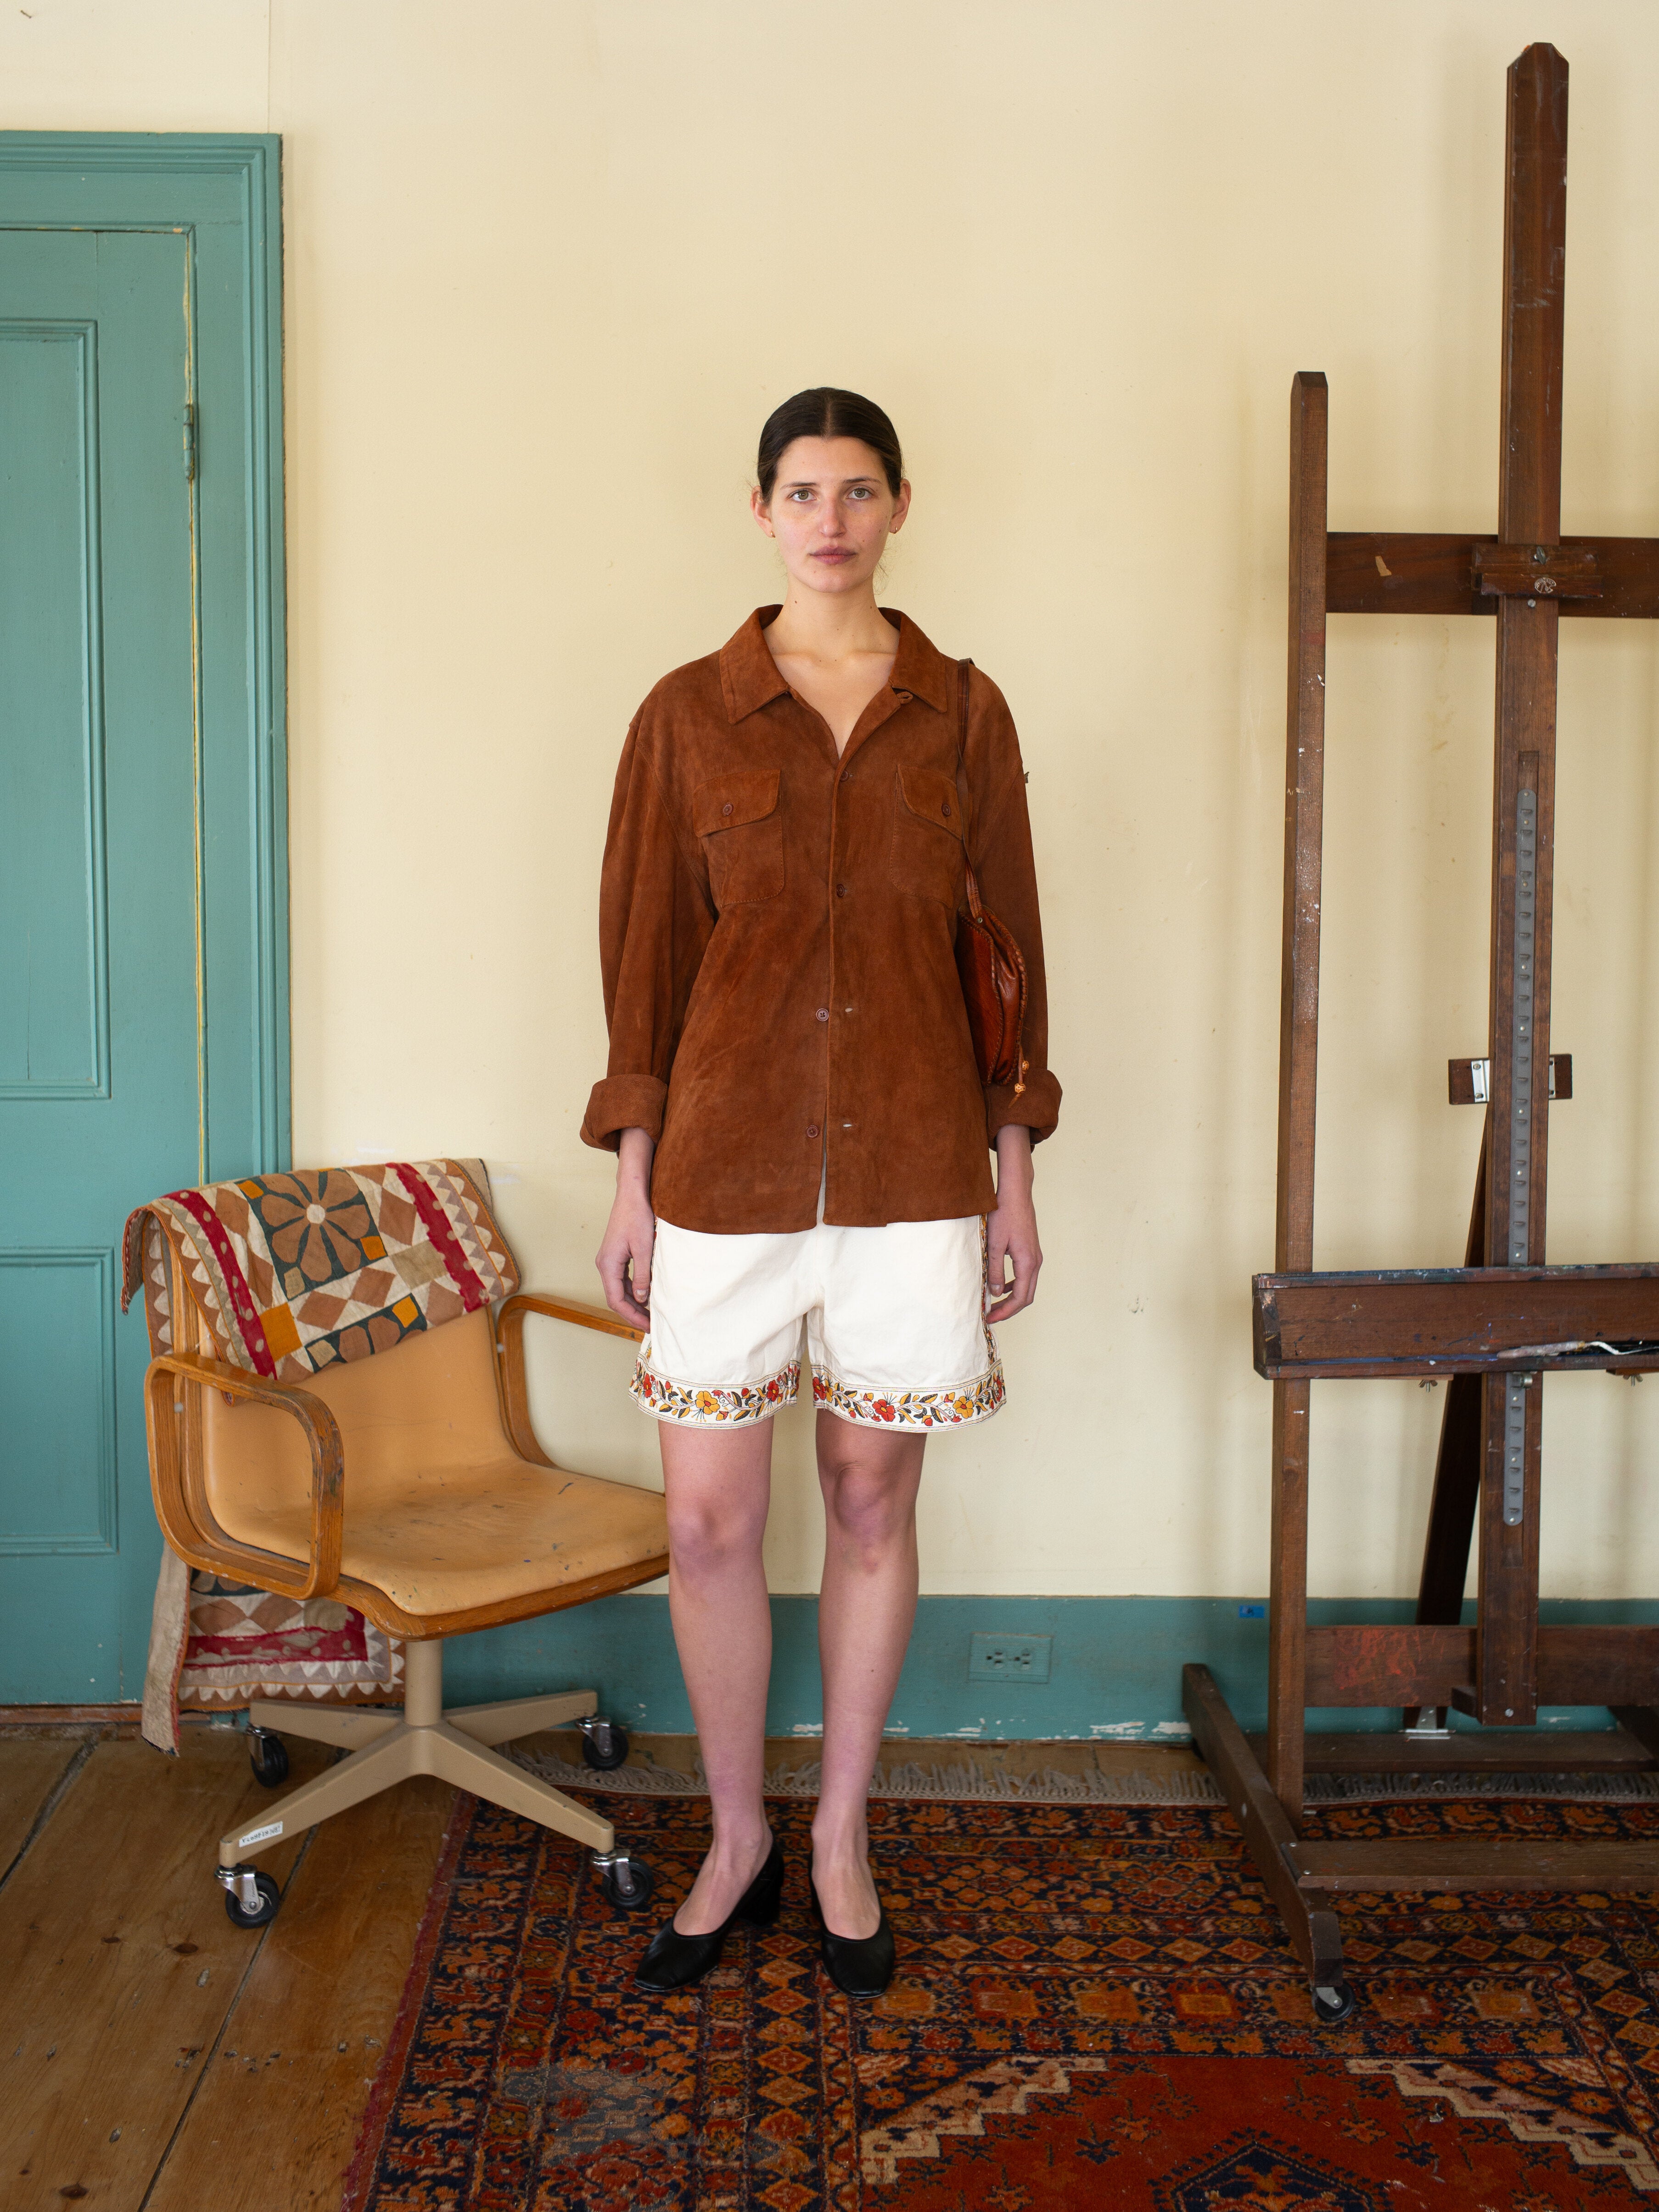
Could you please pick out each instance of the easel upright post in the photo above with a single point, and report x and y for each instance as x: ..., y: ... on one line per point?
x: 1523, y: 826
x: 1298, y: 1063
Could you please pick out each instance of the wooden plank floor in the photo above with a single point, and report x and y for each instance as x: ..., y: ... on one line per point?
x: 153, y: 2058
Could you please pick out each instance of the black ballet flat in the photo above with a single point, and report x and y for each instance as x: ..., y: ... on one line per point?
x: 859, y: 1965
x: 674, y: 1960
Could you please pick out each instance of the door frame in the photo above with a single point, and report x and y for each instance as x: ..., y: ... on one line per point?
x: 223, y: 192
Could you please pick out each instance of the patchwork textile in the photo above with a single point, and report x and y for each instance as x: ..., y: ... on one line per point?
x: 292, y: 1271
x: 286, y: 1274
x: 246, y: 1642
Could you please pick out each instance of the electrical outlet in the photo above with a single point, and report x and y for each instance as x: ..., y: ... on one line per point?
x: 1008, y: 1658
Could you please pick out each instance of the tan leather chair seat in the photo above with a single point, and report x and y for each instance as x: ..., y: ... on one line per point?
x: 439, y: 1512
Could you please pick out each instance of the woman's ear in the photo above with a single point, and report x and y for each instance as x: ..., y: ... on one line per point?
x: 901, y: 506
x: 758, y: 507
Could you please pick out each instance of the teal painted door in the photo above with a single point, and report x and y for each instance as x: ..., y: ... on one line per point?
x: 100, y: 1100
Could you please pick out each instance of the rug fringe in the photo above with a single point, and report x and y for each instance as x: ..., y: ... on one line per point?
x: 966, y: 1783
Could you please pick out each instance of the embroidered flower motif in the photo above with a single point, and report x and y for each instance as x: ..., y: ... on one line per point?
x: 745, y: 1404
x: 316, y: 1224
x: 915, y: 1409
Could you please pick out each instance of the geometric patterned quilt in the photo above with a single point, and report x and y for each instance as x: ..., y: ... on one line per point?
x: 293, y: 1271
x: 245, y: 1643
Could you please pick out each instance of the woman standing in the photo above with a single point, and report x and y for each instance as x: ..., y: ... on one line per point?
x: 802, y: 1132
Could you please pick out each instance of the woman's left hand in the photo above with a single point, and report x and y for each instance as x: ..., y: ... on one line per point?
x: 1011, y: 1231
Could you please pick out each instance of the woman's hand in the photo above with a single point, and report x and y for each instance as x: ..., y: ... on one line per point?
x: 623, y: 1259
x: 1011, y: 1232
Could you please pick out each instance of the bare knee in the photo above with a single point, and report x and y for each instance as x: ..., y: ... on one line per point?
x: 870, y: 1506
x: 709, y: 1535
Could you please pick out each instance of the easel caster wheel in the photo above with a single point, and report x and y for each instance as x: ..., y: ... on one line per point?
x: 628, y: 1885
x: 268, y: 1756
x: 269, y: 1897
x: 1333, y: 2003
x: 603, y: 1744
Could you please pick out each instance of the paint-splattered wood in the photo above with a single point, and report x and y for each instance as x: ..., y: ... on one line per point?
x: 275, y: 2114
x: 118, y: 1965
x: 1435, y: 1321
x: 1380, y: 571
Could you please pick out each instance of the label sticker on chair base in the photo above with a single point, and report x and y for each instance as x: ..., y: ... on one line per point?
x: 259, y: 1835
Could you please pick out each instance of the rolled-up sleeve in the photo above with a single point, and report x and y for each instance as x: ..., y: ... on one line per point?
x: 1000, y: 846
x: 654, y: 925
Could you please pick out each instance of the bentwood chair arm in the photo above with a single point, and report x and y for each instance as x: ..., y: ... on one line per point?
x: 509, y: 1358
x: 172, y: 1415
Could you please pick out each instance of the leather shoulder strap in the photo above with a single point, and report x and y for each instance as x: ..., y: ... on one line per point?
x: 965, y: 793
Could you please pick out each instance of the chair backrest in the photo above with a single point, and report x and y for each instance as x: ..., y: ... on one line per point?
x: 413, y: 1416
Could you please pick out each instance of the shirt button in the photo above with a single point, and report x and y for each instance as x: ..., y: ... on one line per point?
x: 945, y: 808
x: 727, y: 809
x: 841, y: 891
x: 824, y: 1014
x: 812, y: 1128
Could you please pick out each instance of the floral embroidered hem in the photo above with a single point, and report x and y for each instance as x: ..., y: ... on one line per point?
x: 953, y: 1407
x: 738, y: 1406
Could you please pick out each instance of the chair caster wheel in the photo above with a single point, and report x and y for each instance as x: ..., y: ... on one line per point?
x: 1333, y: 2003
x: 628, y: 1884
x: 603, y: 1744
x: 244, y: 1916
x: 268, y: 1756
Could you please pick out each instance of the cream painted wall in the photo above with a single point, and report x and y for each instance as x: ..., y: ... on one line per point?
x: 550, y: 262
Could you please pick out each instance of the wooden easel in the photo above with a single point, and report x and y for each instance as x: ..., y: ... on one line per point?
x: 1495, y: 1326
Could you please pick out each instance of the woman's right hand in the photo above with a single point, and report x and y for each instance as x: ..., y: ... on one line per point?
x: 623, y: 1259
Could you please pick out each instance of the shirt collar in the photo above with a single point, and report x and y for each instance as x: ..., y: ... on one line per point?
x: 750, y: 678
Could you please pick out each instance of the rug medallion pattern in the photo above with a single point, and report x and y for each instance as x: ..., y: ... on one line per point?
x: 1095, y: 2006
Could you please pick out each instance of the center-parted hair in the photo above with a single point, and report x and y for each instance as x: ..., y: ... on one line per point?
x: 826, y: 412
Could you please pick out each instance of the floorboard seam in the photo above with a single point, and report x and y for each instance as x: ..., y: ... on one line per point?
x: 225, y: 2019
x: 54, y: 1797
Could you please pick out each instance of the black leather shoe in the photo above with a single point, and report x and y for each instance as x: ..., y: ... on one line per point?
x: 674, y: 1960
x: 859, y: 1965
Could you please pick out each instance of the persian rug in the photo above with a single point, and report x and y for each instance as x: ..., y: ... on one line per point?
x: 1095, y: 2006
x: 285, y: 1275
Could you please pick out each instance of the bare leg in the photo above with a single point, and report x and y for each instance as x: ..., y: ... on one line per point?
x: 718, y: 1483
x: 866, y: 1608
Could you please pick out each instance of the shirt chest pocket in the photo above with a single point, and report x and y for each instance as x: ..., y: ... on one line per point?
x: 736, y: 817
x: 927, y: 850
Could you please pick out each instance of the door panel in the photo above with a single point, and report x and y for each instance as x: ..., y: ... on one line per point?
x: 100, y: 1101
x: 54, y: 994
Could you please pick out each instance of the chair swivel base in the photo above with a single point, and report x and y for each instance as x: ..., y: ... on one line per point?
x: 454, y: 1747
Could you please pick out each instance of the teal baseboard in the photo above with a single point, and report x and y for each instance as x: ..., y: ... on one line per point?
x: 1114, y: 1669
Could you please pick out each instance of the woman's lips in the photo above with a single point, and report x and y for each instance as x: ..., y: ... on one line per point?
x: 833, y: 553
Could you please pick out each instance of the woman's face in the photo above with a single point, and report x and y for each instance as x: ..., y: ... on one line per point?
x: 831, y: 513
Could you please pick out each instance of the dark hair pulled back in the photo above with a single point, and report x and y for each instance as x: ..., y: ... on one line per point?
x: 826, y: 412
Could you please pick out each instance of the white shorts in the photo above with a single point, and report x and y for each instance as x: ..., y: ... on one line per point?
x: 896, y: 1329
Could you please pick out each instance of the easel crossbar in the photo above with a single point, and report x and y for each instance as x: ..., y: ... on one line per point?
x: 1427, y: 1322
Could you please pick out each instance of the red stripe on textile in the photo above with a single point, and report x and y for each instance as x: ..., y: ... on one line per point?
x: 241, y: 1304
x: 438, y: 1229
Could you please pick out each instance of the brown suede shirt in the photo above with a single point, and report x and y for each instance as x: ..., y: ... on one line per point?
x: 776, y: 932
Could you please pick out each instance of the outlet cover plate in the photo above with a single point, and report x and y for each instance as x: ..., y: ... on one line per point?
x: 1008, y: 1658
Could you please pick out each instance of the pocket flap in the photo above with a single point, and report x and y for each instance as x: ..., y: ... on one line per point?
x: 932, y: 796
x: 726, y: 801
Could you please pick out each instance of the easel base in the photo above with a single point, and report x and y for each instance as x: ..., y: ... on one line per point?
x: 1300, y: 1877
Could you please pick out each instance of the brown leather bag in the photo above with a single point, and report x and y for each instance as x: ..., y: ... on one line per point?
x: 987, y: 959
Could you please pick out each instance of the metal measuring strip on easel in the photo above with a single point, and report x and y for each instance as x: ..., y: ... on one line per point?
x: 1526, y: 912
